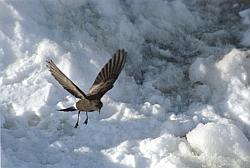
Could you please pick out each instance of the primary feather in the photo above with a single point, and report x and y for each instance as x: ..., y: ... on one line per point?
x: 108, y: 75
x: 103, y: 82
x: 64, y: 80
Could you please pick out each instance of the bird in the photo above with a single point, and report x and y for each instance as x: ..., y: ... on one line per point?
x: 103, y: 83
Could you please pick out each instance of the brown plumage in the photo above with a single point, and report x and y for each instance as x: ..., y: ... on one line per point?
x: 103, y: 83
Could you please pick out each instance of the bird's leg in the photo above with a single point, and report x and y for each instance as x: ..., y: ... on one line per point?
x: 77, y: 119
x: 86, y: 120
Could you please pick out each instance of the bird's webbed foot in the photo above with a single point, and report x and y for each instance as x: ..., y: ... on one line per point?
x: 76, y: 125
x: 77, y: 119
x: 87, y: 118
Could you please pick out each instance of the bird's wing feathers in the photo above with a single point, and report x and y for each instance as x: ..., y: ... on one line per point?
x: 108, y: 75
x: 64, y: 80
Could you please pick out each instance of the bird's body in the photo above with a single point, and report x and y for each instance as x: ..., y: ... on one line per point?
x: 103, y: 83
x: 88, y: 106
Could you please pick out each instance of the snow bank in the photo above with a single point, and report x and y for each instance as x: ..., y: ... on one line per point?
x: 220, y: 145
x: 163, y: 151
x: 228, y: 79
x: 183, y: 70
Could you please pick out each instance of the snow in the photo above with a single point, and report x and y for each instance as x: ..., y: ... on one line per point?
x: 245, y: 15
x: 182, y: 99
x: 225, y: 141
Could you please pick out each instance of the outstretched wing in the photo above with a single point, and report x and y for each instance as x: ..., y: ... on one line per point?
x: 108, y: 75
x: 64, y: 80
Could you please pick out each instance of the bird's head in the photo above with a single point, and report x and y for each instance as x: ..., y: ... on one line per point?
x: 98, y: 105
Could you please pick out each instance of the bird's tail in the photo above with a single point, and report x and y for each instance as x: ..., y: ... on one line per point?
x: 68, y: 109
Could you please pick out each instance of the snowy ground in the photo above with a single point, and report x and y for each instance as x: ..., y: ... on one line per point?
x: 182, y: 101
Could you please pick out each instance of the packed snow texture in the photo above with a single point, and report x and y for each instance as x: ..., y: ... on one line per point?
x: 182, y: 100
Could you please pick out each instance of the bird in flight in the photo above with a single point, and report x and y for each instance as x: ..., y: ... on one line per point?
x: 104, y: 82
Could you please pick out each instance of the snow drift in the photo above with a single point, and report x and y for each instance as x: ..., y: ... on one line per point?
x: 182, y: 100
